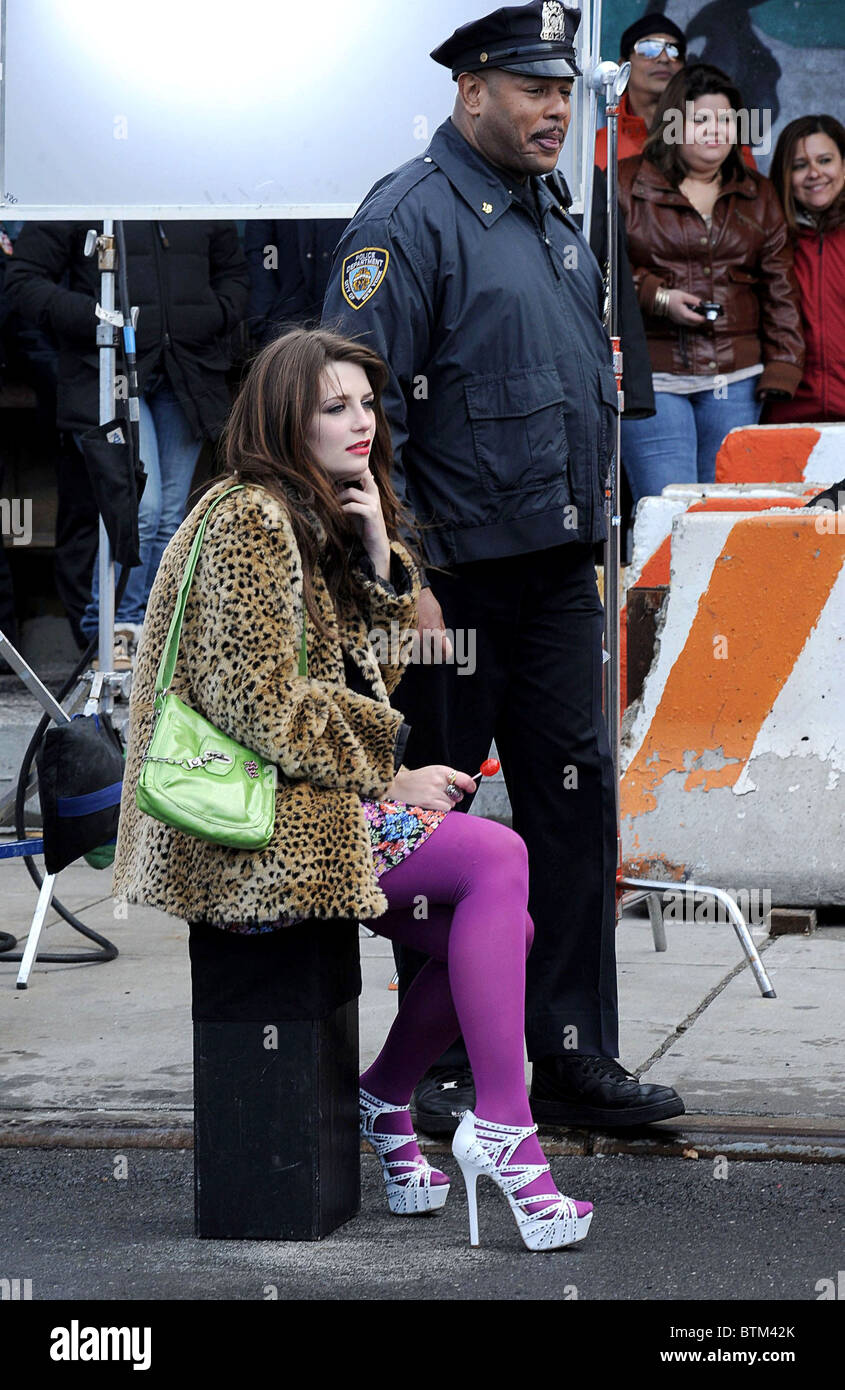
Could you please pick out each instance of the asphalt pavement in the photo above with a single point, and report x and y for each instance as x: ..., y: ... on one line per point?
x: 82, y: 1225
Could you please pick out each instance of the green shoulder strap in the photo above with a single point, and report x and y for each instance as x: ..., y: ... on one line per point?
x: 167, y: 665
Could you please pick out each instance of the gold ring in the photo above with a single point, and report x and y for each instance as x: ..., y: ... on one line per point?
x: 452, y: 778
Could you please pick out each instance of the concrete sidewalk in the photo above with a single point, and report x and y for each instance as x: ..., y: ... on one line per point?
x: 100, y: 1055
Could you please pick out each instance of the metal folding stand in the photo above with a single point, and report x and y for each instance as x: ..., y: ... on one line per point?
x: 101, y: 685
x: 612, y: 79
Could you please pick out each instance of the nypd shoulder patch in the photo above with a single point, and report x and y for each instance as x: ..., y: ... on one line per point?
x: 362, y: 273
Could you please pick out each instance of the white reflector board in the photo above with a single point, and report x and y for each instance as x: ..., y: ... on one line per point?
x: 200, y: 108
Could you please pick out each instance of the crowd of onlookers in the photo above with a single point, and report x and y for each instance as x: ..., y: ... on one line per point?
x: 739, y: 278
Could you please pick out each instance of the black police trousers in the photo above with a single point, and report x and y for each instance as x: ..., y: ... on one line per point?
x: 527, y: 672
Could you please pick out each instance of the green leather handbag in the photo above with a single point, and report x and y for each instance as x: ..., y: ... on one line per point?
x: 194, y: 777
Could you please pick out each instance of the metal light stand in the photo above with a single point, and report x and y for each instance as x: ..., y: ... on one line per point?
x: 612, y: 80
x: 107, y: 343
x: 102, y: 685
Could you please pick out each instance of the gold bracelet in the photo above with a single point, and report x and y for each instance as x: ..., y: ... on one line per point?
x: 661, y: 302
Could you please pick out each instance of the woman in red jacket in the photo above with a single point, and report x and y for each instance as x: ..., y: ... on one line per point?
x: 808, y: 171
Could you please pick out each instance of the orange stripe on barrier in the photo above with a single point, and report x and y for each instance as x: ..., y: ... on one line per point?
x: 767, y: 589
x: 623, y: 660
x: 766, y: 455
x: 655, y: 573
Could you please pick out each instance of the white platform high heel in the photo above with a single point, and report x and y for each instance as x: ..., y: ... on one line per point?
x: 410, y: 1191
x: 483, y: 1149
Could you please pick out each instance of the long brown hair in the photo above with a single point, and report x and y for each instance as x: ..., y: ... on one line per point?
x: 781, y: 170
x: 265, y: 442
x: 697, y: 80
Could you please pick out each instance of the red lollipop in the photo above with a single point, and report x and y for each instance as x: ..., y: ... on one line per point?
x: 489, y: 768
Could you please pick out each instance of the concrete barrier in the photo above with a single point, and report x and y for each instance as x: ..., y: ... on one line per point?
x: 783, y: 454
x: 654, y: 517
x: 647, y: 576
x: 733, y: 756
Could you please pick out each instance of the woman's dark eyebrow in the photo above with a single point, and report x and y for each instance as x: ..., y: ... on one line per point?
x: 341, y: 396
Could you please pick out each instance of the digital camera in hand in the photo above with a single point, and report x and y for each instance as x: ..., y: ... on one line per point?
x: 709, y: 309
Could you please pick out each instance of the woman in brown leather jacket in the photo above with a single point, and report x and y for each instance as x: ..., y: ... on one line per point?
x: 712, y: 263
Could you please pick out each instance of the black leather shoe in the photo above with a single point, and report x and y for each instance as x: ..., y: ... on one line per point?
x: 441, y: 1098
x: 577, y: 1089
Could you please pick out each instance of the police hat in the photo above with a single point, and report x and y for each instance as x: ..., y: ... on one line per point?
x: 538, y: 39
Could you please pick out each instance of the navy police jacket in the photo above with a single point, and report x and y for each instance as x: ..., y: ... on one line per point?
x: 486, y: 305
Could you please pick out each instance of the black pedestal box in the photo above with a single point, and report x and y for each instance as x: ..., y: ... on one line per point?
x: 276, y: 1142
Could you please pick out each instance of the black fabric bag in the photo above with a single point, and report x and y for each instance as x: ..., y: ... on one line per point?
x: 80, y: 778
x: 117, y: 487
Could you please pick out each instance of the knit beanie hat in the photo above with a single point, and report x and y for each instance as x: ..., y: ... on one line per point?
x: 653, y: 23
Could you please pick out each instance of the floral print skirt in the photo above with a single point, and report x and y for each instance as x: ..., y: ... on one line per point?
x: 396, y: 830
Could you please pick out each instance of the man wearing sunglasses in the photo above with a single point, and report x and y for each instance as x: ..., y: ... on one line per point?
x: 656, y: 49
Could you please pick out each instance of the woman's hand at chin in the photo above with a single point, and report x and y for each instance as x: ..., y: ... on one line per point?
x: 426, y: 787
x: 361, y: 501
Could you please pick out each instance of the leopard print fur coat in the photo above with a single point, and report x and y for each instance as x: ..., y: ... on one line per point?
x: 238, y: 665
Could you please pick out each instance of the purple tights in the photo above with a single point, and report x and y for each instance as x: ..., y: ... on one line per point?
x: 462, y: 897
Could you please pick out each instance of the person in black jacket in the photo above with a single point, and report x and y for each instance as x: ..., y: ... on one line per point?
x: 464, y: 271
x: 636, y: 373
x: 190, y: 281
x: 30, y: 355
x: 289, y: 264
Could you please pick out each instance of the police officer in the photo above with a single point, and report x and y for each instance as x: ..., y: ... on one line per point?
x: 463, y: 270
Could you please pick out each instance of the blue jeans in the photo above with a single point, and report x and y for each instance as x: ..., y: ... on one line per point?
x: 680, y: 443
x: 169, y: 451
